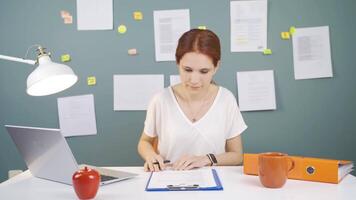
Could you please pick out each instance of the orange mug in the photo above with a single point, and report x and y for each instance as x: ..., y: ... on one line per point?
x: 273, y: 168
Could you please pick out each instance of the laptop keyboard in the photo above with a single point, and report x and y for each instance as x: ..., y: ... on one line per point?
x: 107, y: 178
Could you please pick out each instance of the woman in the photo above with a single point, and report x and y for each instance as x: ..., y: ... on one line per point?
x: 196, y: 122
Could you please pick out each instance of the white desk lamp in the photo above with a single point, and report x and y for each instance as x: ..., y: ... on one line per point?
x: 49, y: 77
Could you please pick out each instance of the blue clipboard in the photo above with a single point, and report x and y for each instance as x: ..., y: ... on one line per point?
x: 193, y: 187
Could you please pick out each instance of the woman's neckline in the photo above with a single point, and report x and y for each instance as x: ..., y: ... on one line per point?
x: 174, y: 98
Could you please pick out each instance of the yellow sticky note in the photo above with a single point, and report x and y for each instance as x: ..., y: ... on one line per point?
x: 91, y: 80
x: 122, y: 29
x: 137, y: 15
x: 65, y: 58
x: 285, y: 35
x: 292, y: 30
x: 267, y: 51
x: 202, y: 27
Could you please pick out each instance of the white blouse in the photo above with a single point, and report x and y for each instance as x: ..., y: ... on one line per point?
x: 178, y: 136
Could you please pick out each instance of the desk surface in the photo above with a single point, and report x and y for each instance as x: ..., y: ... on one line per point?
x: 236, y: 186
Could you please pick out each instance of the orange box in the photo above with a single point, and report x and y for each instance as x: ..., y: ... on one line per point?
x: 307, y: 168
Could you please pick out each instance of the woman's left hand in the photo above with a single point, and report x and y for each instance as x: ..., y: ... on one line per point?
x: 188, y: 162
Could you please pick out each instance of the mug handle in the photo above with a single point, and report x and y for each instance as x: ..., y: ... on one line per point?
x: 293, y: 164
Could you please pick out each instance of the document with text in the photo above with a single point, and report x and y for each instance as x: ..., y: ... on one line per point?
x: 169, y: 25
x: 248, y: 21
x: 95, y: 14
x: 256, y: 90
x: 77, y: 115
x: 311, y: 53
x: 197, y: 179
x: 134, y: 92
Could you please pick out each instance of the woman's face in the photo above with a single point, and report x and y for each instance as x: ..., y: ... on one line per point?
x: 196, y: 71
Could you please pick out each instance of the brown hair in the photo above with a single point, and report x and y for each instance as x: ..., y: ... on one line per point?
x: 200, y: 41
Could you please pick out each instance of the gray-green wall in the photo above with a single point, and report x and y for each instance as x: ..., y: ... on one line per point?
x: 315, y: 117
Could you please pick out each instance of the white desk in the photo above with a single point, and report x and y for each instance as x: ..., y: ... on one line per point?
x: 237, y: 186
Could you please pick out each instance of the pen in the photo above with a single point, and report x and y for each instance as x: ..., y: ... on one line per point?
x: 165, y: 161
x: 159, y: 166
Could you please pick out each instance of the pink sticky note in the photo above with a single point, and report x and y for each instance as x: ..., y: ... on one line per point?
x: 132, y: 52
x: 64, y: 14
x: 68, y: 20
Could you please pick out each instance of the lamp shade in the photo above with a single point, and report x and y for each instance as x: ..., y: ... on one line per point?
x: 49, y: 78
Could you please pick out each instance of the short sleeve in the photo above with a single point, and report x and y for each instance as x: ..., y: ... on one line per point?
x: 151, y: 118
x: 236, y: 123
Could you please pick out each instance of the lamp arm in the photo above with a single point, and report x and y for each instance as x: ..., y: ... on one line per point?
x: 30, y: 62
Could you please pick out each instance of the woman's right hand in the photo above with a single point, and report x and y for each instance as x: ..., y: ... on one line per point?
x: 154, y: 163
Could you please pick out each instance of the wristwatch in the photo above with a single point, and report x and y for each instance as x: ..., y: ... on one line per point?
x: 212, y: 159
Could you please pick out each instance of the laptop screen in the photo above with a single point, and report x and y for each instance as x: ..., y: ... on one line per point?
x: 45, y: 152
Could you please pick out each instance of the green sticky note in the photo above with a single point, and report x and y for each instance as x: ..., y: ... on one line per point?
x: 65, y: 58
x: 267, y: 51
x: 122, y: 29
x: 91, y: 80
x: 292, y: 30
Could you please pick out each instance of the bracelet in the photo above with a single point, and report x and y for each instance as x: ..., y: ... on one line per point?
x: 213, y: 159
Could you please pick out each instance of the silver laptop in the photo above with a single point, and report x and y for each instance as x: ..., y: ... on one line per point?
x: 48, y: 155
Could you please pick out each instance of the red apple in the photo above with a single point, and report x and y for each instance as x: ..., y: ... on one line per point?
x: 86, y: 183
